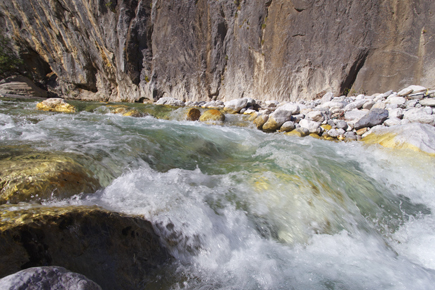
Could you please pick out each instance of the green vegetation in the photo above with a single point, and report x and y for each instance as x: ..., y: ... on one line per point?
x: 110, y: 6
x: 9, y: 61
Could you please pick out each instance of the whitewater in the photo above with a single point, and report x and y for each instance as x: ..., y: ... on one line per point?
x: 241, y: 209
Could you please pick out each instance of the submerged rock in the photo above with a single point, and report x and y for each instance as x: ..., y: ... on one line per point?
x: 56, y: 105
x: 33, y: 176
x: 47, y: 278
x: 212, y: 116
x: 114, y: 250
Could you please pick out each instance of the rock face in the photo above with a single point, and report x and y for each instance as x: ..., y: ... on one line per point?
x: 47, y: 278
x: 114, y: 250
x: 128, y: 50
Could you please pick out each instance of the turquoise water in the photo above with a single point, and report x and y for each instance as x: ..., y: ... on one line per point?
x: 241, y: 209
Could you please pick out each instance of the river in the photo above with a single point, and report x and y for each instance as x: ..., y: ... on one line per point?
x: 242, y: 209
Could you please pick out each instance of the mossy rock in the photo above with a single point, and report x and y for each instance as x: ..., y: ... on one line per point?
x: 114, y: 250
x: 134, y: 113
x: 56, y: 105
x: 212, y: 116
x: 34, y: 176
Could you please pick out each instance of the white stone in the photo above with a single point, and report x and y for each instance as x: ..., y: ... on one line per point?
x: 333, y: 105
x: 169, y: 101
x: 368, y: 105
x: 235, y: 105
x: 355, y: 105
x: 411, y: 89
x: 392, y: 122
x: 355, y: 115
x: 289, y: 107
x: 313, y: 127
x: 327, y: 97
x: 333, y: 133
x: 379, y: 105
x: 315, y: 116
x: 395, y: 113
x: 396, y: 100
x: 418, y: 115
x: 428, y: 102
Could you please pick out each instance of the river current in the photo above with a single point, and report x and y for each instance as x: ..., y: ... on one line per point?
x: 242, y: 209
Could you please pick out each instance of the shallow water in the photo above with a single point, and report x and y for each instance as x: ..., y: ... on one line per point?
x: 241, y: 209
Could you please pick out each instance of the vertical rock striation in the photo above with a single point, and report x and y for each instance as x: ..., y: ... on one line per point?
x: 130, y: 50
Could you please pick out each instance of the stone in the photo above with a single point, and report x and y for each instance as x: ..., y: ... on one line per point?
x: 47, y: 278
x: 379, y: 105
x: 373, y: 118
x: 411, y: 89
x: 28, y: 175
x: 260, y: 121
x: 21, y: 85
x: 368, y: 105
x: 114, y: 250
x: 333, y: 133
x: 333, y: 105
x: 341, y: 124
x: 395, y: 113
x: 362, y: 131
x: 56, y: 105
x: 419, y: 115
x: 193, y: 114
x: 428, y: 102
x: 355, y: 105
x: 417, y: 96
x: 350, y: 136
x: 281, y: 115
x: 411, y: 103
x: 392, y: 122
x: 355, y: 115
x: 316, y: 116
x: 291, y: 108
x: 326, y: 127
x: 234, y: 106
x: 169, y: 101
x: 300, y: 132
x: 311, y: 126
x: 287, y: 126
x: 396, y: 101
x: 413, y: 136
x: 212, y: 116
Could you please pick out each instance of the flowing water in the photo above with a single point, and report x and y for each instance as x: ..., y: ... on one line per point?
x: 241, y: 209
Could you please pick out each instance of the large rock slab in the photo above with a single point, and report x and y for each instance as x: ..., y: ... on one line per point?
x: 413, y: 136
x: 47, y: 278
x: 114, y: 250
x: 21, y: 85
x: 31, y: 176
x: 428, y: 102
x: 373, y: 118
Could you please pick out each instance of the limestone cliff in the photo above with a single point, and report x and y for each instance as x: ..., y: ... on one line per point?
x: 132, y: 50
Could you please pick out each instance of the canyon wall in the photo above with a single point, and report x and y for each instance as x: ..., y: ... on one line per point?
x: 132, y: 50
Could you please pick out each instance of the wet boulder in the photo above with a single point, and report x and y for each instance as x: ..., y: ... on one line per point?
x: 56, y: 105
x: 193, y: 114
x: 32, y: 176
x: 212, y: 116
x: 47, y: 278
x: 114, y: 250
x: 281, y: 115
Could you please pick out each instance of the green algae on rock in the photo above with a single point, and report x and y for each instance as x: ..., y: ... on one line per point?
x: 32, y: 176
x: 114, y: 250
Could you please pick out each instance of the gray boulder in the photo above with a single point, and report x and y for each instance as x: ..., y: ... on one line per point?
x: 373, y: 118
x: 41, y: 278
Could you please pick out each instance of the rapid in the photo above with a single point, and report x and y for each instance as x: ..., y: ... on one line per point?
x: 241, y: 209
